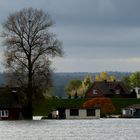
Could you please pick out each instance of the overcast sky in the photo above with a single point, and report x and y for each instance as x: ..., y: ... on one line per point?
x: 97, y: 35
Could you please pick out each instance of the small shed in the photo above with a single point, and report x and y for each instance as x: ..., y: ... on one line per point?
x: 132, y: 111
x: 82, y: 113
x: 79, y: 113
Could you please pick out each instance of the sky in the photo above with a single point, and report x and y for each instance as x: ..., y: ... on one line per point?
x: 97, y: 35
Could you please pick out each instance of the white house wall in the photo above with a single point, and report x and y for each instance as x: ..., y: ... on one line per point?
x: 128, y: 112
x: 82, y: 114
x: 137, y: 89
x: 55, y: 114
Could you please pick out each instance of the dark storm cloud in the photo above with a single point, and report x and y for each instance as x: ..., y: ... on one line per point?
x: 98, y: 12
x: 97, y: 34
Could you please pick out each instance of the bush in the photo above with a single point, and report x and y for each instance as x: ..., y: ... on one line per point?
x: 104, y: 103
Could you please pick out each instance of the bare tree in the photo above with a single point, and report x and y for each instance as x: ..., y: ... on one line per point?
x: 29, y: 46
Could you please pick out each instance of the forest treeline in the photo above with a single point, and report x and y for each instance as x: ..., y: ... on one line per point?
x: 60, y: 80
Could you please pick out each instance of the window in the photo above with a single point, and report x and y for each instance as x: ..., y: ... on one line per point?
x: 94, y: 91
x: 138, y: 91
x: 4, y: 113
x: 117, y: 91
x: 90, y: 112
x: 74, y: 112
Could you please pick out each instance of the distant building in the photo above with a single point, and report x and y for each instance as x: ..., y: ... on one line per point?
x: 10, y: 113
x: 108, y: 89
x: 55, y: 114
x: 82, y: 113
x: 10, y: 109
x: 77, y: 113
x: 131, y: 111
x: 137, y: 91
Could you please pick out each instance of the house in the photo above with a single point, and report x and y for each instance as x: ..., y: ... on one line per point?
x: 10, y: 108
x: 132, y: 111
x: 108, y: 89
x: 137, y: 92
x: 82, y: 113
x: 78, y: 113
x: 8, y: 112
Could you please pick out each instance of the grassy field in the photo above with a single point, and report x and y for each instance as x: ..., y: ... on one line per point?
x: 43, y: 108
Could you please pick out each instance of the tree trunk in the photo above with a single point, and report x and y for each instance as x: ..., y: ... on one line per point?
x: 29, y: 94
x: 29, y: 109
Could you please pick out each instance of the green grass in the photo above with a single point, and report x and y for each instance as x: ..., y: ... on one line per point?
x: 44, y: 107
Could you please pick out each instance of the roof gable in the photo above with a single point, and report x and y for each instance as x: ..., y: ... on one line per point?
x: 109, y: 87
x: 8, y: 99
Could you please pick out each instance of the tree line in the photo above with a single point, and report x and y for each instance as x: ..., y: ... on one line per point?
x: 78, y: 88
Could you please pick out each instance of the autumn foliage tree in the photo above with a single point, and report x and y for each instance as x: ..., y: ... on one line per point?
x: 87, y: 82
x: 104, y: 103
x: 104, y: 76
x: 78, y: 88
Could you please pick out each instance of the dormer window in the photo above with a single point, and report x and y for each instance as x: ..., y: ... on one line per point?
x: 117, y: 91
x: 94, y: 91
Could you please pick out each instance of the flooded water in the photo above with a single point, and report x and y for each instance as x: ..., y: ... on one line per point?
x: 98, y: 129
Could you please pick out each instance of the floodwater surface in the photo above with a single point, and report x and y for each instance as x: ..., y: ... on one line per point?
x: 96, y: 129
